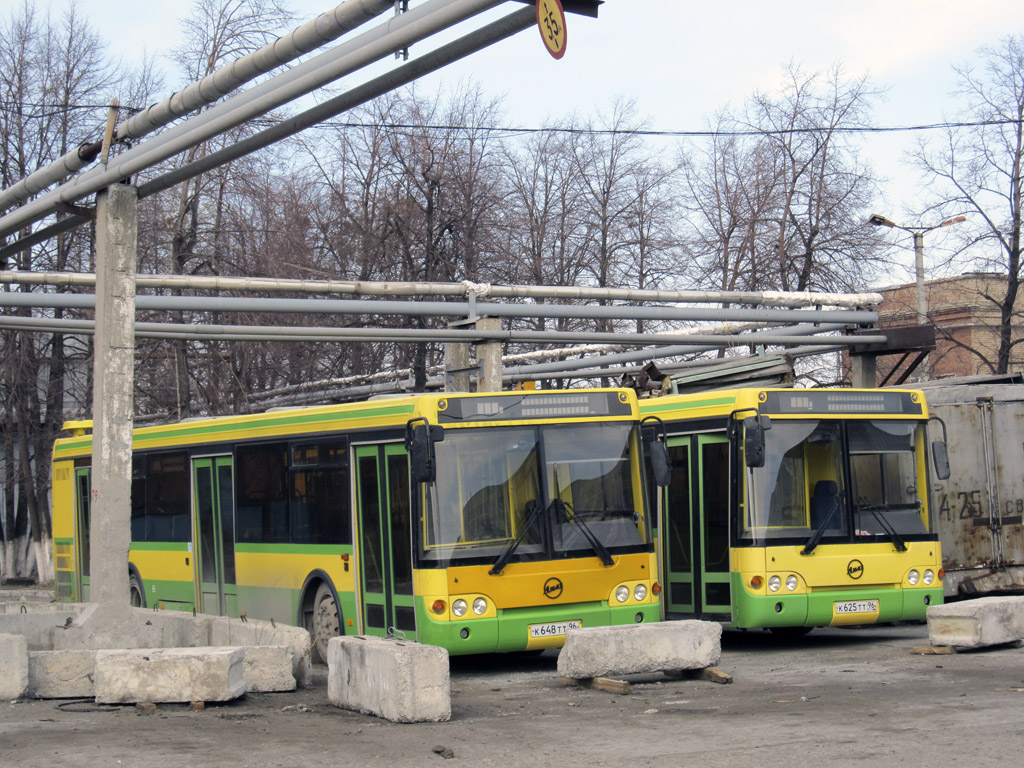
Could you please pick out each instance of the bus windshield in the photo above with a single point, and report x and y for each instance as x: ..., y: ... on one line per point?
x: 534, y: 492
x: 833, y: 479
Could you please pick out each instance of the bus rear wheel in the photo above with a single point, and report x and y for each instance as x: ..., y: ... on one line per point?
x: 326, y: 623
x: 136, y: 597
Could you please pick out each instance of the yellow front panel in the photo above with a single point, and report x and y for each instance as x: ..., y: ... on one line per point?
x: 63, y: 499
x: 835, y: 566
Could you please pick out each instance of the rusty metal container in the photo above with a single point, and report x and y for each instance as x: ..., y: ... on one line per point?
x: 979, y: 510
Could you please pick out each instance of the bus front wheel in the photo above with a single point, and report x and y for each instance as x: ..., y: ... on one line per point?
x: 325, y: 619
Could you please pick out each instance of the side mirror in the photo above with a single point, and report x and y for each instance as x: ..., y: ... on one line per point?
x: 940, y: 458
x: 754, y: 428
x: 652, y: 431
x: 661, y: 465
x: 420, y: 437
x: 940, y: 455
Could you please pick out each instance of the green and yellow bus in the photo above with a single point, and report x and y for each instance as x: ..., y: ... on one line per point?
x: 797, y: 508
x: 477, y: 522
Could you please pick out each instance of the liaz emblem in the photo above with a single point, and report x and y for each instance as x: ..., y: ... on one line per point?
x: 553, y: 588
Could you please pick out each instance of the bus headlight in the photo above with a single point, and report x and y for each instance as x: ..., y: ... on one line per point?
x: 639, y: 592
x: 929, y: 577
x: 774, y: 583
x: 459, y: 607
x: 791, y: 582
x: 622, y: 593
x: 479, y: 606
x: 913, y: 577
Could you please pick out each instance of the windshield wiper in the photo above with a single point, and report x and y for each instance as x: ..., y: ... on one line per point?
x: 533, y: 512
x: 884, y: 522
x: 595, y: 543
x: 820, y: 530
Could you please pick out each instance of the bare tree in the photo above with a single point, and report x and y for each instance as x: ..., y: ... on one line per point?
x: 821, y: 187
x: 976, y: 169
x: 53, y: 83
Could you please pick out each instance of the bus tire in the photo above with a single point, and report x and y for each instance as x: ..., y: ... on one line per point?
x: 136, y: 595
x: 326, y: 619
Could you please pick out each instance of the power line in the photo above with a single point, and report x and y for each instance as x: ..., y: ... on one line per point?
x: 58, y: 108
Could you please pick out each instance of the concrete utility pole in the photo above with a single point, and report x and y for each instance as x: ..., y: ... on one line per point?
x: 488, y: 359
x: 113, y: 377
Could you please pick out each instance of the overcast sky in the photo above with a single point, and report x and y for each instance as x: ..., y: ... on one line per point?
x: 681, y: 60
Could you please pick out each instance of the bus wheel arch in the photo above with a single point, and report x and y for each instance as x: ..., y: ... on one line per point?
x: 320, y: 612
x: 136, y: 592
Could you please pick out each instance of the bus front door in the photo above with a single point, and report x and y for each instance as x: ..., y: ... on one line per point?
x: 695, y: 548
x: 83, y: 501
x: 385, y: 541
x: 214, y: 538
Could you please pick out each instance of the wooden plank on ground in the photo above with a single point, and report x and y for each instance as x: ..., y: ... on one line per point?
x: 710, y: 674
x: 599, y: 683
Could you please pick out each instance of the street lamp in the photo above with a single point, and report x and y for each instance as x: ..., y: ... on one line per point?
x: 878, y: 220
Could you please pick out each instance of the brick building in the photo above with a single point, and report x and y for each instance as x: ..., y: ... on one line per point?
x: 964, y: 320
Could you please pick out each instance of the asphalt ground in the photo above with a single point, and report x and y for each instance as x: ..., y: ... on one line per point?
x: 833, y: 697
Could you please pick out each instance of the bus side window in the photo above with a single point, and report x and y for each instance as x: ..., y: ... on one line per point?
x: 319, y: 507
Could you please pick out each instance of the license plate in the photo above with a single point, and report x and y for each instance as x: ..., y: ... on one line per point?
x: 846, y: 607
x: 554, y: 628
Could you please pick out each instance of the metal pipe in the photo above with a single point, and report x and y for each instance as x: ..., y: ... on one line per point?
x: 278, y: 333
x: 323, y: 29
x: 545, y: 369
x: 430, y: 62
x: 465, y: 288
x: 443, y: 308
x: 402, y: 31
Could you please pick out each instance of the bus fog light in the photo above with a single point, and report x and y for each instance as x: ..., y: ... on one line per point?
x: 929, y: 577
x: 464, y: 633
x: 479, y: 606
x: 639, y: 618
x: 791, y: 582
x: 913, y: 577
x: 622, y: 593
x: 774, y: 583
x: 459, y: 607
x: 639, y: 592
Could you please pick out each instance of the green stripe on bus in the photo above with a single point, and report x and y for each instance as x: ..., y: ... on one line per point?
x: 293, y: 549
x: 172, y: 431
x: 677, y: 406
x: 160, y: 546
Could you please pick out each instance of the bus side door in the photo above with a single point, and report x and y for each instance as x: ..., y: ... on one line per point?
x: 384, y: 540
x: 83, y: 519
x: 695, y: 529
x: 214, y: 535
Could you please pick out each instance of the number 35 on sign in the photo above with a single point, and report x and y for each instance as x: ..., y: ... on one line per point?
x: 551, y: 21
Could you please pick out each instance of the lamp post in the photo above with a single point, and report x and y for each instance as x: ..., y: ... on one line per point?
x: 878, y: 220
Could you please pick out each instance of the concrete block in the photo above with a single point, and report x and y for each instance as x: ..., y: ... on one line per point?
x: 39, y: 628
x: 268, y: 668
x: 977, y: 623
x: 169, y: 675
x: 61, y: 674
x: 13, y: 666
x: 235, y: 632
x: 638, y: 648
x: 100, y: 626
x: 398, y: 681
